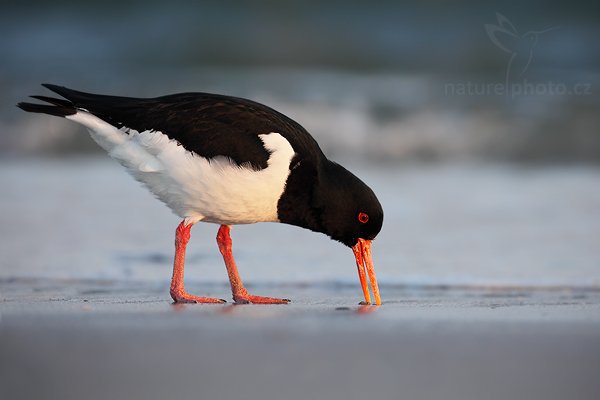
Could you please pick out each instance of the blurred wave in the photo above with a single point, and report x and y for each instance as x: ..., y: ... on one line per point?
x: 388, y: 82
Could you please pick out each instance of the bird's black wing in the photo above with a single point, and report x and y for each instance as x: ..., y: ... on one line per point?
x: 206, y: 124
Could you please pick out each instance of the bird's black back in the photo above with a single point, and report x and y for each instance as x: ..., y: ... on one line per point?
x: 206, y: 124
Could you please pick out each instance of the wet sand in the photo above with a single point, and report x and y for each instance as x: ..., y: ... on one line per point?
x: 489, y: 276
x: 477, y: 224
x: 95, y: 339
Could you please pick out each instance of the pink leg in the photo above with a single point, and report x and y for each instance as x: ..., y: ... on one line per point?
x: 240, y: 294
x: 178, y: 293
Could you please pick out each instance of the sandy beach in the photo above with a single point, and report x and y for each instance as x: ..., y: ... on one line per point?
x: 68, y: 339
x: 488, y: 274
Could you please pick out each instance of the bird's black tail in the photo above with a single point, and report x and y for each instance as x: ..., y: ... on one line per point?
x: 57, y: 107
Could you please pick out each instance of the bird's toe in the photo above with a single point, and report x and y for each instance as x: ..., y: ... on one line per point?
x: 248, y: 298
x: 184, y: 297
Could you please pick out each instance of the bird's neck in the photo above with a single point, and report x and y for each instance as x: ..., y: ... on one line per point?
x: 296, y: 205
x: 310, y: 193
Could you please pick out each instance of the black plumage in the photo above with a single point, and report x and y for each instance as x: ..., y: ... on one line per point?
x: 206, y: 124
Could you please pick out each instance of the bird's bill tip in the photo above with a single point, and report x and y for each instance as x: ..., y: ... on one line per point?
x: 364, y: 263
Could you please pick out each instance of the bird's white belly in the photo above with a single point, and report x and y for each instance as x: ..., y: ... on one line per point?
x: 198, y: 189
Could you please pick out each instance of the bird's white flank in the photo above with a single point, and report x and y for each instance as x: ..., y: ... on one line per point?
x: 195, y: 188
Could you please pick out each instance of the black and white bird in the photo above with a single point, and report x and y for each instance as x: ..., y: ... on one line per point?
x: 228, y: 161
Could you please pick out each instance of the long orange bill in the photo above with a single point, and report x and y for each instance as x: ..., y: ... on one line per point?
x: 364, y: 262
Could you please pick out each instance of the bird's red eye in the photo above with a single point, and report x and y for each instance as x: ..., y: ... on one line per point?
x: 363, y: 217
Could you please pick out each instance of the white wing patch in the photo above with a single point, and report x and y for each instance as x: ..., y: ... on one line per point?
x: 198, y: 189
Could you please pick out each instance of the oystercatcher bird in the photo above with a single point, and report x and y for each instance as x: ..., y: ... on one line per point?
x: 228, y: 161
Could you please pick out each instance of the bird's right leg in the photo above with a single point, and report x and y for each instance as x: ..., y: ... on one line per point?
x: 178, y: 293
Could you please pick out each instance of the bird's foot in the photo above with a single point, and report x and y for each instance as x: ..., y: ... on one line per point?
x: 181, y: 296
x: 248, y: 298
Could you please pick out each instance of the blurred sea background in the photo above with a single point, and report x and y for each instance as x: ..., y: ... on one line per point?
x: 477, y: 123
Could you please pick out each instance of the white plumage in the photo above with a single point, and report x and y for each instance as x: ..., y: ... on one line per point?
x: 195, y: 188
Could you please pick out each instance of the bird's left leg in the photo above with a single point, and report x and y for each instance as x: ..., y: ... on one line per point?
x: 240, y: 294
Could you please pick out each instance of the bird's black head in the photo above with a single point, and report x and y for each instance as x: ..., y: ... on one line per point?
x: 328, y: 198
x: 348, y: 209
x: 331, y: 200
